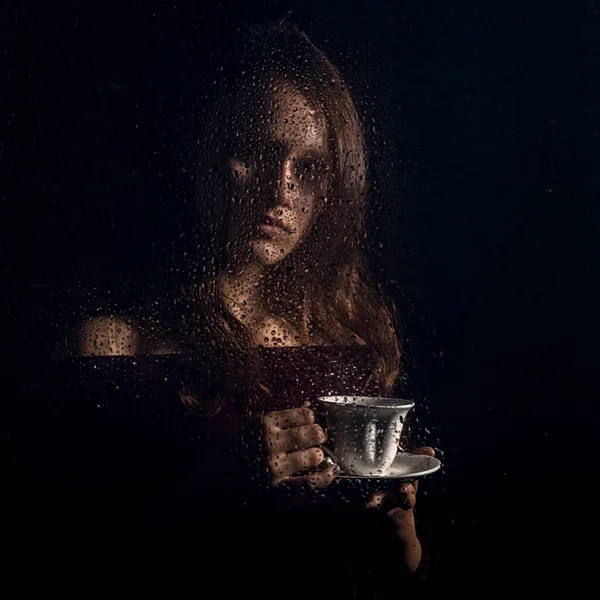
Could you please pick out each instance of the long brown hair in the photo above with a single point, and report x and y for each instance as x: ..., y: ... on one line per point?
x: 324, y: 284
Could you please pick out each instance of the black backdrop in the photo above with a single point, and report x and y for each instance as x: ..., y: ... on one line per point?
x: 485, y: 140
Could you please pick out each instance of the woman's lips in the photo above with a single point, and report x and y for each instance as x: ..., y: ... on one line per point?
x: 271, y: 230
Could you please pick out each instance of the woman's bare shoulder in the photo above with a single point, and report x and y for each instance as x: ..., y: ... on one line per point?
x: 113, y: 335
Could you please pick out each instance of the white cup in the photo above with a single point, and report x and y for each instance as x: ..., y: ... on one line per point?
x: 364, y: 432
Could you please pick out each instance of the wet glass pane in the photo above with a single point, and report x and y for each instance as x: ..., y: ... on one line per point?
x: 297, y: 296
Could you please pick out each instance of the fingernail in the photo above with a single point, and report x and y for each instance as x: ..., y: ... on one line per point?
x: 326, y: 462
x: 336, y: 470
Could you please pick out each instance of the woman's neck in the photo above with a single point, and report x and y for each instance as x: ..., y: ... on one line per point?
x: 243, y: 294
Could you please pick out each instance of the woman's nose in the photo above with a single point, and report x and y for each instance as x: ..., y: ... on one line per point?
x: 285, y: 200
x: 285, y: 187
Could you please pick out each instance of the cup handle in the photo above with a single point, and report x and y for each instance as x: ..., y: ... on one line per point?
x: 389, y: 447
x: 371, y: 441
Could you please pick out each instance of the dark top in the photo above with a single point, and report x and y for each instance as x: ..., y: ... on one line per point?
x: 109, y: 471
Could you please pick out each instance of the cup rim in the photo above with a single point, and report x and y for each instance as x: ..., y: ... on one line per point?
x: 383, y: 402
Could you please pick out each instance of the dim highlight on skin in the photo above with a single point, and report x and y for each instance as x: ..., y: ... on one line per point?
x: 291, y: 171
x: 286, y: 269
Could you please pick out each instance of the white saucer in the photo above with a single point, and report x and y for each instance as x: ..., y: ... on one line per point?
x: 405, y: 466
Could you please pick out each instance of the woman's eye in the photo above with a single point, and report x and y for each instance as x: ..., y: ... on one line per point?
x: 306, y: 170
x: 241, y: 170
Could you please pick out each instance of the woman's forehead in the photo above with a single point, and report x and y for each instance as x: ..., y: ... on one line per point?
x: 283, y: 114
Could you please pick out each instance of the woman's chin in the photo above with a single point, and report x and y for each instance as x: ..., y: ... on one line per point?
x: 266, y: 252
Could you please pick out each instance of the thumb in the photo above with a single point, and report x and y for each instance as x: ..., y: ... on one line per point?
x: 427, y: 450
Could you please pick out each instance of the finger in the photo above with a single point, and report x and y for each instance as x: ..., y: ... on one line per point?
x: 318, y: 479
x: 406, y: 487
x: 321, y: 479
x: 288, y: 418
x: 298, y: 438
x: 428, y: 450
x: 288, y: 464
x: 406, y: 496
x: 379, y: 499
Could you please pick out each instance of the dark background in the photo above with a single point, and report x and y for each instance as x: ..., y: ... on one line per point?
x: 484, y: 142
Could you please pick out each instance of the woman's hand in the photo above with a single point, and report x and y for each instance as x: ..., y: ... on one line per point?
x: 398, y: 506
x: 292, y: 439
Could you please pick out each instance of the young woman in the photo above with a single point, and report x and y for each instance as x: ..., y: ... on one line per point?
x: 279, y: 309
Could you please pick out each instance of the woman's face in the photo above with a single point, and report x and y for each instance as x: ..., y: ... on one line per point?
x: 279, y: 171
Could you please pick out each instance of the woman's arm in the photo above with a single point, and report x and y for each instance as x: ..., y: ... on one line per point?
x: 111, y: 335
x: 398, y: 505
x: 402, y: 518
x: 101, y: 336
